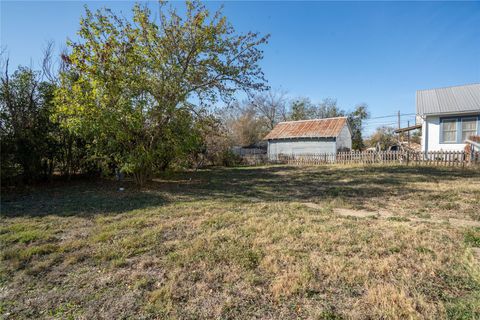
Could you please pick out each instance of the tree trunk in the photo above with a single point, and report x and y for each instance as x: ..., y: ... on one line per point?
x: 141, y: 176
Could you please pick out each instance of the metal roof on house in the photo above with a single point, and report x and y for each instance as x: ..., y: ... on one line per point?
x: 456, y: 99
x: 316, y: 128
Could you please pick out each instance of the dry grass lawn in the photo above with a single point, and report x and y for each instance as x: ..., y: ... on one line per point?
x: 264, y: 242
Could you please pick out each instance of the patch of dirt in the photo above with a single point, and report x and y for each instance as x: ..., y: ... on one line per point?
x: 463, y: 223
x: 476, y: 254
x: 349, y: 212
x: 355, y: 213
x: 386, y: 214
x: 312, y: 205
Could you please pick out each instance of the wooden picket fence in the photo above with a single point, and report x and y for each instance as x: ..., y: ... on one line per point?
x: 255, y: 159
x: 433, y: 158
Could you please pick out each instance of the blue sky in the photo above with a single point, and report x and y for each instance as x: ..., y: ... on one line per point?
x: 379, y: 53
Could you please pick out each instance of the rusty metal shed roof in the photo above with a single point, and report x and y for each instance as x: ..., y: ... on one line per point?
x: 316, y: 128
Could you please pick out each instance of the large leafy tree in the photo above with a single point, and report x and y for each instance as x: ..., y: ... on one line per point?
x: 25, y: 128
x: 137, y: 88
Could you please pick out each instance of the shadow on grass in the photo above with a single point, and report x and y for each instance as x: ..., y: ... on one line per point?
x: 83, y: 198
x: 307, y: 184
x: 355, y: 184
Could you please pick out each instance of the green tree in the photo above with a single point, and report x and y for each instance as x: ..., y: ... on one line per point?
x: 328, y: 108
x: 302, y: 109
x: 212, y: 143
x: 383, y: 138
x: 28, y: 148
x: 130, y: 85
x: 355, y: 119
x: 416, y: 136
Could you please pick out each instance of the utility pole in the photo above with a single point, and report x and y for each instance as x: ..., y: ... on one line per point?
x: 408, y: 133
x: 408, y: 137
x: 398, y: 126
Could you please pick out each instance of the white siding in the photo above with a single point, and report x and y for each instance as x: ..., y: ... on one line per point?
x: 431, y: 137
x: 297, y: 146
x: 344, y: 139
x: 424, y: 140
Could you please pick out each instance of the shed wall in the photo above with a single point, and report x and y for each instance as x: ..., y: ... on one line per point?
x: 300, y: 146
x: 344, y: 139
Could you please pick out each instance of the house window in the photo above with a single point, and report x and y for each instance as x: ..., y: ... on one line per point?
x: 469, y: 128
x: 449, y: 131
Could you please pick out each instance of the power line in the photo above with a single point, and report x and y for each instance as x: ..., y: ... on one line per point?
x: 379, y: 124
x: 391, y: 116
x: 404, y: 120
x: 388, y: 120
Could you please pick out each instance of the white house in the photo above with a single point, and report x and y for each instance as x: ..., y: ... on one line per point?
x: 309, y: 136
x: 448, y: 116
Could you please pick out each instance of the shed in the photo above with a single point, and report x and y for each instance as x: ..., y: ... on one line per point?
x: 328, y: 135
